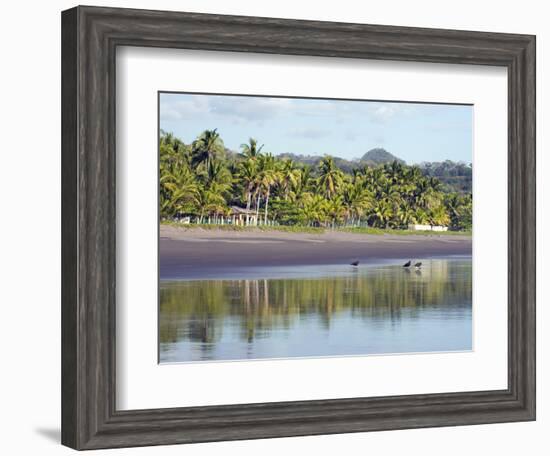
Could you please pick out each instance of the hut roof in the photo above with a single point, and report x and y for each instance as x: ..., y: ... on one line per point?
x: 241, y: 210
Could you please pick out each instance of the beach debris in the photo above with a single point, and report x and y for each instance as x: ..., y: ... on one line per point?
x: 407, y: 264
x: 355, y: 263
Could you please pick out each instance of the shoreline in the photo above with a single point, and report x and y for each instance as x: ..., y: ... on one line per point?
x: 202, y: 253
x: 309, y: 230
x: 307, y: 271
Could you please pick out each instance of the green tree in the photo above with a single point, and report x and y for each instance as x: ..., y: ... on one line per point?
x: 206, y: 148
x: 251, y: 149
x: 268, y: 176
x: 289, y: 177
x: 203, y: 179
x: 247, y: 175
x: 330, y: 177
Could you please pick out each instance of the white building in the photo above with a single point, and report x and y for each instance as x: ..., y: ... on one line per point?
x: 427, y: 228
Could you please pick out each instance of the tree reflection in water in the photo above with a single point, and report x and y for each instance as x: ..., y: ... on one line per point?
x: 198, y: 311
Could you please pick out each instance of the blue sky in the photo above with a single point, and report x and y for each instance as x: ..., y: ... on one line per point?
x: 414, y: 132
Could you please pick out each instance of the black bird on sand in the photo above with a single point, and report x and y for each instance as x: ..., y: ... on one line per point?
x: 418, y: 265
x: 355, y: 263
x: 407, y: 264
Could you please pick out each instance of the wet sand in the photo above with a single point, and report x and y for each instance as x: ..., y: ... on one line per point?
x: 199, y: 253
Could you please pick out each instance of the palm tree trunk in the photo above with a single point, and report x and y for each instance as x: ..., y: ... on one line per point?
x: 248, y: 198
x: 258, y: 208
x: 266, y: 204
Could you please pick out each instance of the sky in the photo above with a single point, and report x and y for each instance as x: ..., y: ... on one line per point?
x: 414, y: 132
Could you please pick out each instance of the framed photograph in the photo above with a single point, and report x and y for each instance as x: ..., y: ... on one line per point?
x: 280, y: 228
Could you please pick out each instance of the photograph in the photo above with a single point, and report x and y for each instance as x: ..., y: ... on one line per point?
x: 311, y: 227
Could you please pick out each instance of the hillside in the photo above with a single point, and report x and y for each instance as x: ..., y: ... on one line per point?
x: 373, y: 157
x: 379, y: 156
x: 313, y: 160
x: 455, y: 176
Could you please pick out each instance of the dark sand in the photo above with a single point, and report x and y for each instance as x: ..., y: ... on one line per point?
x: 198, y: 253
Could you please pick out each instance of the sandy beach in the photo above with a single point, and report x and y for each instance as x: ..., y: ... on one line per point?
x: 193, y: 253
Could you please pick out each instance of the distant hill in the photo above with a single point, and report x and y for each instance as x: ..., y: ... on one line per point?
x: 373, y: 157
x: 313, y: 160
x: 379, y: 156
x: 455, y: 176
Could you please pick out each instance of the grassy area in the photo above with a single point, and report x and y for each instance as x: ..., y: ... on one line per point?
x: 313, y: 230
x: 286, y: 229
x: 370, y: 230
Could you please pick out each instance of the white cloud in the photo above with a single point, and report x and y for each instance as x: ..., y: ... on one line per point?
x: 236, y: 108
x: 309, y: 133
x: 176, y: 107
x: 258, y: 110
x: 251, y: 109
x: 383, y: 112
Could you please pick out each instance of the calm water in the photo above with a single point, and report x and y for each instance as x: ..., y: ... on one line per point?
x: 318, y: 311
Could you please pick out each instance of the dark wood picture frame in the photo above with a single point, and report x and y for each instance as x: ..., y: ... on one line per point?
x: 90, y: 36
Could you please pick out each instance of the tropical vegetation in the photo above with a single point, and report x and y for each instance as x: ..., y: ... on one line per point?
x: 205, y: 182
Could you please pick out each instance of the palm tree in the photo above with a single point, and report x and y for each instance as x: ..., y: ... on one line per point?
x: 212, y: 201
x: 207, y: 147
x: 375, y: 179
x: 439, y: 216
x: 394, y: 170
x: 424, y: 194
x: 247, y: 174
x: 356, y: 199
x: 405, y: 214
x: 421, y: 216
x: 289, y: 177
x: 335, y: 210
x: 216, y: 172
x: 251, y: 150
x: 435, y: 184
x: 382, y: 213
x: 178, y: 191
x: 268, y: 176
x: 414, y: 173
x: 452, y: 203
x: 464, y: 219
x: 330, y: 177
x: 313, y: 210
x: 304, y: 182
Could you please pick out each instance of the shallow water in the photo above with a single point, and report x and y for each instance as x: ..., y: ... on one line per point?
x: 303, y: 311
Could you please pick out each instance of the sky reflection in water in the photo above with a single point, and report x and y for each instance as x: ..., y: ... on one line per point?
x: 321, y: 311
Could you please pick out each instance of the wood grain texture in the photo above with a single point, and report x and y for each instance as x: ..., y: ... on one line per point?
x: 89, y: 39
x: 69, y: 176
